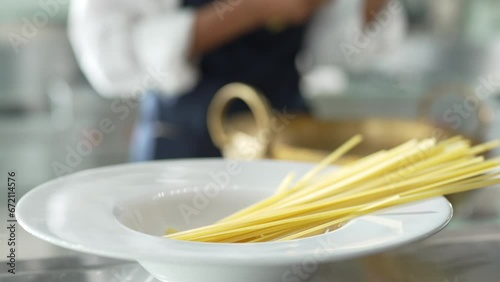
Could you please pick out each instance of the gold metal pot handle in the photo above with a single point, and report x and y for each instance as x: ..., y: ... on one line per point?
x: 258, y: 104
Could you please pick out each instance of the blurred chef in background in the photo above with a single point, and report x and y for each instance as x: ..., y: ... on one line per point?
x: 192, y: 48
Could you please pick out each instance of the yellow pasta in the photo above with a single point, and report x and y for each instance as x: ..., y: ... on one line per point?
x: 322, y: 200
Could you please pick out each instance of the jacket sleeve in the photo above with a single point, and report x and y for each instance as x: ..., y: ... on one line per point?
x: 127, y: 47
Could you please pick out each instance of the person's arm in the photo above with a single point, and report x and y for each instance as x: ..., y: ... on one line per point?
x: 214, y: 26
x: 127, y: 46
x: 221, y: 21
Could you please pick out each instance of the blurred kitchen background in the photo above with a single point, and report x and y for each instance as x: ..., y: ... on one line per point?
x: 46, y: 104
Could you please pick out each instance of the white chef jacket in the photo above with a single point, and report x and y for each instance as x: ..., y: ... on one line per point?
x: 122, y: 44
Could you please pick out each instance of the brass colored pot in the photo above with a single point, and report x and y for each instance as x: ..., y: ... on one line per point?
x: 267, y: 134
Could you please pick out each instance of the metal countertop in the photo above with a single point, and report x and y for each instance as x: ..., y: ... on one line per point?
x: 464, y: 254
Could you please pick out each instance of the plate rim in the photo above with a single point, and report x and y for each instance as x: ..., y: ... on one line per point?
x: 230, y: 259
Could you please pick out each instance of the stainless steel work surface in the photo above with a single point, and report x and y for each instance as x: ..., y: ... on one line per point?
x: 457, y: 254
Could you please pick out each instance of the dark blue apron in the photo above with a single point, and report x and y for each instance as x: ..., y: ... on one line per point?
x: 176, y: 127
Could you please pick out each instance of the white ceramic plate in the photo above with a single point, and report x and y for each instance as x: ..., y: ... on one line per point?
x: 121, y: 211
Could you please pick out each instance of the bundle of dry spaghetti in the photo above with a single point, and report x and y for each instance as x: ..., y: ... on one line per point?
x: 324, y: 199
